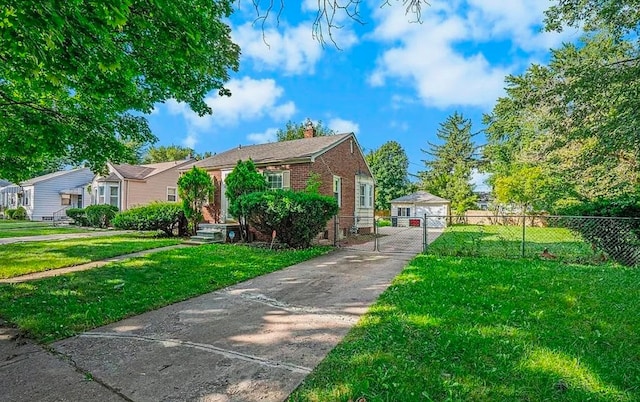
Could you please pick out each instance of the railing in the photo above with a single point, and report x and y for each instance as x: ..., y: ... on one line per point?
x: 60, y: 215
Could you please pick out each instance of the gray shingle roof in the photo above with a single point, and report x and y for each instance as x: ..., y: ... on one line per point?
x: 301, y: 150
x: 50, y: 176
x: 141, y: 172
x: 421, y: 197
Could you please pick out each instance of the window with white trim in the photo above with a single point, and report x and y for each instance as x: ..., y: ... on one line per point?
x: 101, y: 194
x: 65, y: 199
x: 275, y: 180
x: 337, y: 189
x: 404, y: 211
x: 27, y: 197
x: 172, y: 194
x: 366, y: 195
x: 114, y: 196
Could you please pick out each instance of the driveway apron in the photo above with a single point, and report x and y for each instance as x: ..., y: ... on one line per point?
x: 255, y: 341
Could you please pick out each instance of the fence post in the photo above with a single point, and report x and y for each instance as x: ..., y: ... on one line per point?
x: 335, y: 230
x: 375, y: 234
x: 524, y: 225
x: 424, y: 234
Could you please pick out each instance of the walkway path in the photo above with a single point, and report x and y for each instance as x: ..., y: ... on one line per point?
x: 89, y: 265
x: 63, y: 236
x: 253, y: 341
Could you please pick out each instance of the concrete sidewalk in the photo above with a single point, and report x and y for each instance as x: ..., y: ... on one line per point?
x: 253, y: 341
x: 64, y: 236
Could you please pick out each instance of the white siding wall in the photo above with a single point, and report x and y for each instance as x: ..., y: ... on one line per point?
x: 364, y: 215
x: 436, y: 214
x: 46, y: 195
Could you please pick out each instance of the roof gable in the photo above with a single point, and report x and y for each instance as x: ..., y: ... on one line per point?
x: 301, y: 150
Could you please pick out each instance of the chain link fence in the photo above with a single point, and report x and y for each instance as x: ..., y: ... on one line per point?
x: 567, y: 238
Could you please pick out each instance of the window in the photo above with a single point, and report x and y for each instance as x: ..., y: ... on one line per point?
x: 275, y: 181
x: 337, y: 189
x: 101, y: 194
x: 65, y: 199
x: 114, y: 196
x: 366, y: 196
x: 172, y: 194
x: 404, y: 211
x: 27, y: 198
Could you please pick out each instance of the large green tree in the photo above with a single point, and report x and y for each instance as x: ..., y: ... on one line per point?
x: 167, y: 154
x: 575, y: 118
x: 295, y: 131
x: 77, y: 77
x: 389, y: 165
x: 451, y: 163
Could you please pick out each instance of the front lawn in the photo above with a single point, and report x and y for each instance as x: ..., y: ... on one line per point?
x: 506, y: 242
x: 485, y: 329
x: 24, y: 258
x: 35, y: 230
x: 59, y: 307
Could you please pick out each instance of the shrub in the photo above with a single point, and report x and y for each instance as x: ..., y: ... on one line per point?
x: 10, y: 212
x: 383, y: 222
x: 618, y: 238
x: 20, y: 214
x: 100, y: 216
x: 297, y: 217
x: 164, y: 216
x: 78, y: 215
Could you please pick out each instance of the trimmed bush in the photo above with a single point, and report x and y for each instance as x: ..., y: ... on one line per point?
x: 100, y: 216
x: 10, y: 212
x: 164, y: 216
x: 20, y: 214
x: 297, y: 217
x: 78, y: 215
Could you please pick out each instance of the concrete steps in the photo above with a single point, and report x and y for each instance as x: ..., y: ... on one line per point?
x: 206, y: 234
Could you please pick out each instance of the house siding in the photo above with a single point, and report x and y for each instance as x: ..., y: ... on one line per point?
x: 137, y: 193
x: 45, y: 196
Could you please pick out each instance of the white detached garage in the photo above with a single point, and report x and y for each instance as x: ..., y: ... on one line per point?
x: 406, y: 210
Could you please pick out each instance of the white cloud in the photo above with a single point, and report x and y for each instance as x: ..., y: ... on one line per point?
x: 428, y: 56
x: 190, y: 141
x: 343, y: 126
x: 250, y: 100
x: 270, y: 135
x: 399, y: 125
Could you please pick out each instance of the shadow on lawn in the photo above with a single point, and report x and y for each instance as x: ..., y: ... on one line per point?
x: 484, y: 331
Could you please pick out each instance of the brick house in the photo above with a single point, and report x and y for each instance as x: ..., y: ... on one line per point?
x: 337, y: 160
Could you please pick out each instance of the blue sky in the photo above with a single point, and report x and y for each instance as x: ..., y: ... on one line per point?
x: 390, y: 80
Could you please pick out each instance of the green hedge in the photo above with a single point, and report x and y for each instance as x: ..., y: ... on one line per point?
x: 100, y: 216
x: 297, y: 217
x: 17, y: 213
x: 164, y: 216
x: 78, y: 215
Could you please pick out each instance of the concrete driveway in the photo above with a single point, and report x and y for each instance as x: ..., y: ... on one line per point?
x: 255, y: 341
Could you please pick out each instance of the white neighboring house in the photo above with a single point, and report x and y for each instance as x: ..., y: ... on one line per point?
x: 8, y: 195
x: 406, y: 210
x: 47, y: 197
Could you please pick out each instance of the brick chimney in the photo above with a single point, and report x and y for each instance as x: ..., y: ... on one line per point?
x: 309, y: 130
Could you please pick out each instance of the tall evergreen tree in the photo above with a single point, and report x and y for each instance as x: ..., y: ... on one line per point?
x: 389, y: 165
x: 448, y: 172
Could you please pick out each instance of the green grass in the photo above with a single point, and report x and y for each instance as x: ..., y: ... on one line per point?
x: 8, y: 224
x: 58, y: 307
x: 35, y: 230
x: 506, y: 242
x: 24, y: 258
x: 486, y: 329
